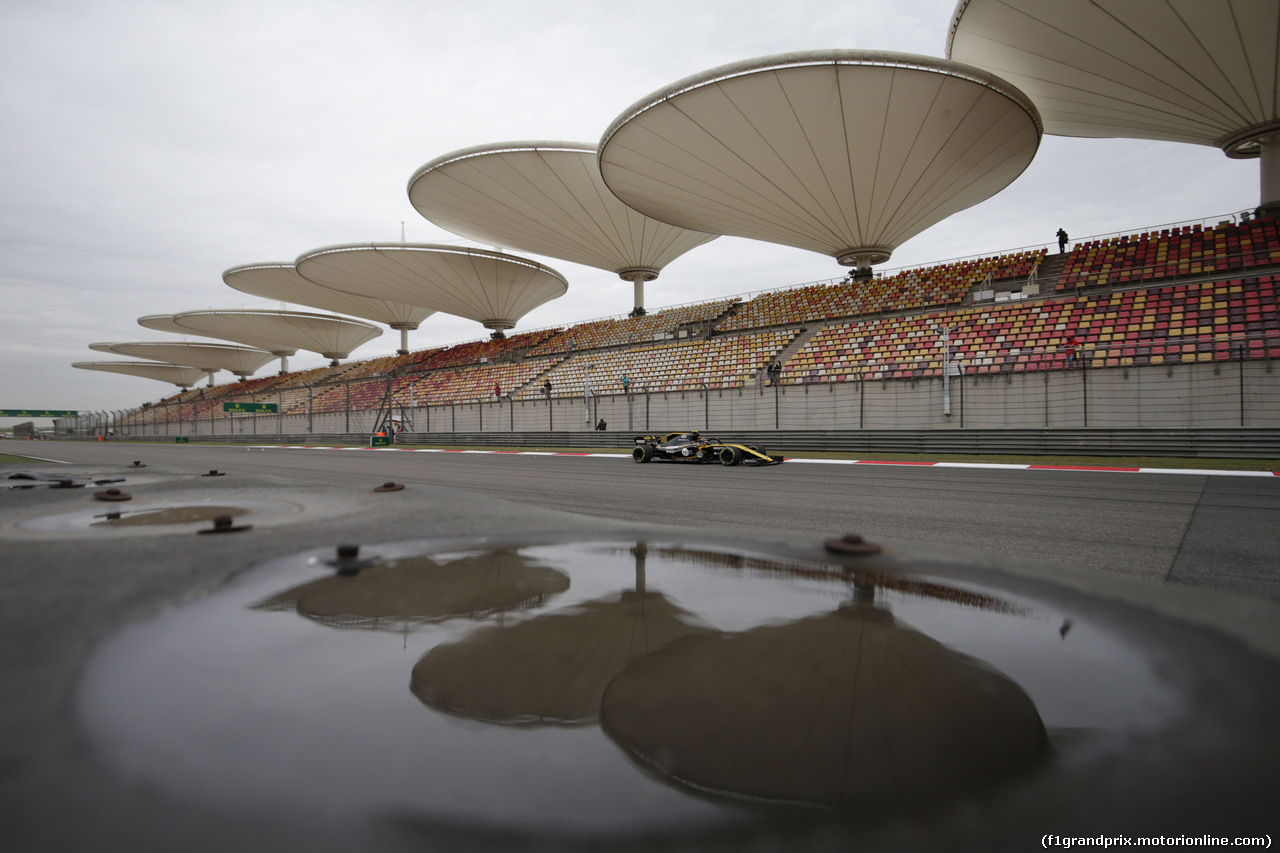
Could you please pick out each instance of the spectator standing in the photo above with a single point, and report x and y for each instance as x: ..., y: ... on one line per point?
x: 626, y: 384
x: 1062, y: 240
x: 1073, y: 351
x: 546, y: 389
x: 602, y: 426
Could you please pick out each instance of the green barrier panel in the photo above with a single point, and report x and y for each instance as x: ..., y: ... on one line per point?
x: 249, y: 407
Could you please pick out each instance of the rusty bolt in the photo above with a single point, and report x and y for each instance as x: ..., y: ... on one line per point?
x: 225, y: 524
x: 853, y: 545
x: 348, y: 561
x: 113, y: 495
x: 214, y: 472
x: 390, y: 486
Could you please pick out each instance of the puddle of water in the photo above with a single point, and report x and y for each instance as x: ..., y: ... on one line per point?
x: 171, y: 515
x: 151, y: 516
x: 588, y: 689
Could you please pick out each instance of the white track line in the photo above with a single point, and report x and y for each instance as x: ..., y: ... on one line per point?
x: 1000, y: 466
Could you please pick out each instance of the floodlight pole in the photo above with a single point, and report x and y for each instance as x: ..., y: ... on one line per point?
x: 310, y: 428
x: 946, y: 371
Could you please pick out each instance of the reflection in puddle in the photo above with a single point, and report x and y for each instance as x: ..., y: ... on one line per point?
x: 419, y: 590
x: 739, y: 678
x: 553, y: 668
x: 848, y: 710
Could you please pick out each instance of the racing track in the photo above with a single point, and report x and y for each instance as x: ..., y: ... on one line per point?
x: 1221, y: 532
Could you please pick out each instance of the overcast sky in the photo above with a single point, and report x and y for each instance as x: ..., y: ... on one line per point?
x: 148, y: 146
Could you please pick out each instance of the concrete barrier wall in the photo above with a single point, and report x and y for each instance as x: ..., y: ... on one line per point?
x: 1201, y: 396
x: 1242, y: 443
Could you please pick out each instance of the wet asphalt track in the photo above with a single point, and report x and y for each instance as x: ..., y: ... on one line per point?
x: 61, y: 596
x: 1219, y: 532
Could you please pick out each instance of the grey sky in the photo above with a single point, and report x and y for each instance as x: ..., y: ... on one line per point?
x: 147, y: 146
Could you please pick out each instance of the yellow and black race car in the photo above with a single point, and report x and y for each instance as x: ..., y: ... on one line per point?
x: 693, y: 447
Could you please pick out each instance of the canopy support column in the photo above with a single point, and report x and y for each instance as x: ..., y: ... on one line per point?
x: 638, y: 276
x: 1270, y: 201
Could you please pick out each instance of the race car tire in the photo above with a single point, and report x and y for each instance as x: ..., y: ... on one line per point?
x: 758, y: 449
x: 643, y: 453
x: 730, y: 456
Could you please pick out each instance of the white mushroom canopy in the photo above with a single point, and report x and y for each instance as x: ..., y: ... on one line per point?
x: 1202, y: 71
x: 242, y: 361
x: 845, y: 152
x: 547, y: 198
x: 281, y: 333
x: 1198, y: 71
x: 492, y: 288
x: 183, y: 377
x: 281, y: 281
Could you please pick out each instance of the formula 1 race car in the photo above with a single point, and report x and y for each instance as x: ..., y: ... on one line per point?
x: 693, y: 447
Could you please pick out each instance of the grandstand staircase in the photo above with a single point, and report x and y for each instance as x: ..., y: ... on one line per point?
x: 727, y: 313
x: 806, y: 335
x: 535, y: 383
x: 1050, y: 271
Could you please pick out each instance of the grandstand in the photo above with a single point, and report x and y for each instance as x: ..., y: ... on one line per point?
x: 1166, y: 297
x: 1178, y: 253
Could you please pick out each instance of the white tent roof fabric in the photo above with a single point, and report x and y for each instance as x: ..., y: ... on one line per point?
x: 241, y: 361
x: 1200, y: 71
x: 168, y: 323
x: 278, y: 332
x: 163, y: 323
x: 547, y: 198
x: 281, y: 281
x: 183, y: 377
x: 491, y: 288
x: 844, y: 152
